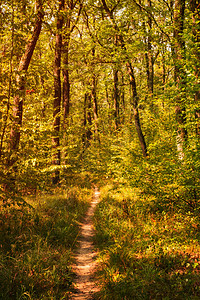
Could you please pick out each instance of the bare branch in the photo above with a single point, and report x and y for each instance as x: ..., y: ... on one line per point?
x: 153, y: 18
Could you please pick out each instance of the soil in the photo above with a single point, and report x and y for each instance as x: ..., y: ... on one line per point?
x: 84, y: 267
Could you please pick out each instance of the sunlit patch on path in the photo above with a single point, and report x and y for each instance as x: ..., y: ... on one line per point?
x: 85, y: 257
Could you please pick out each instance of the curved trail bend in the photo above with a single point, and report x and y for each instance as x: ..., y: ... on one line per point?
x: 85, y: 257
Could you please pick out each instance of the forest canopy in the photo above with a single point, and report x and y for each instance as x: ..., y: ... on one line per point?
x: 108, y: 87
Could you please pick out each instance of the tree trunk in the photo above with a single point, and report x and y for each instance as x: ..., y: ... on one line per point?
x: 87, y: 122
x: 71, y: 4
x: 180, y: 76
x: 20, y: 91
x: 149, y: 55
x: 194, y: 7
x: 94, y: 99
x: 109, y: 115
x: 66, y: 82
x: 89, y: 118
x: 57, y: 95
x: 123, y: 99
x: 95, y: 107
x: 116, y: 99
x: 116, y: 90
x: 163, y: 69
x: 135, y: 110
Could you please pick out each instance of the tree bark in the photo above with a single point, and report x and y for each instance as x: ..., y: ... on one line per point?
x: 116, y: 99
x: 95, y: 107
x: 116, y: 90
x: 149, y: 55
x: 94, y: 99
x: 180, y: 76
x: 71, y: 4
x: 20, y: 91
x: 89, y: 118
x: 136, y: 111
x: 57, y: 95
x: 66, y: 82
x: 163, y: 69
x: 87, y: 121
x: 195, y: 10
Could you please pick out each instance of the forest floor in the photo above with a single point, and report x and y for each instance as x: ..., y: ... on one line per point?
x: 84, y: 267
x: 147, y: 246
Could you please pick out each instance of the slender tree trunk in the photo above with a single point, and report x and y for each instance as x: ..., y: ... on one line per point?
x: 116, y: 99
x: 163, y: 70
x: 132, y: 82
x: 42, y: 81
x: 57, y: 95
x: 109, y: 116
x: 20, y: 91
x: 95, y: 107
x: 123, y: 99
x: 89, y: 118
x: 87, y: 122
x: 116, y: 91
x: 84, y: 122
x: 135, y: 110
x: 180, y: 76
x: 195, y: 9
x: 66, y: 82
x: 150, y: 53
x: 94, y: 99
x: 71, y: 4
x: 66, y: 89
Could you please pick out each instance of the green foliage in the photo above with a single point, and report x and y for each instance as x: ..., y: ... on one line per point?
x: 37, y: 243
x: 147, y: 231
x: 145, y: 254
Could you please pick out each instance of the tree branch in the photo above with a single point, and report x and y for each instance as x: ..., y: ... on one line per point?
x: 152, y: 16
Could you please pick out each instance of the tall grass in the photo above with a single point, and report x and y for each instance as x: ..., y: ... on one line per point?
x: 145, y: 252
x: 37, y: 241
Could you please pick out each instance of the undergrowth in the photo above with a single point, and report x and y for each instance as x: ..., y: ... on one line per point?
x: 145, y: 252
x: 36, y: 243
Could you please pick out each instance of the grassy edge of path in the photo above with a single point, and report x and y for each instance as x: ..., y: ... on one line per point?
x: 37, y: 241
x: 145, y: 251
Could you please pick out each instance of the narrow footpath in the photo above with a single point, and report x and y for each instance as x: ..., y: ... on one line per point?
x: 85, y: 257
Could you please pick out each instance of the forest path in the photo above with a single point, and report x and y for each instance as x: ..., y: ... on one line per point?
x: 85, y: 263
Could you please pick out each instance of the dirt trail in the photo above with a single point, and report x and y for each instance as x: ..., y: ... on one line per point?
x: 85, y: 257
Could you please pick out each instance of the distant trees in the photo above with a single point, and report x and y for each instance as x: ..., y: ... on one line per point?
x: 134, y: 101
x: 99, y: 68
